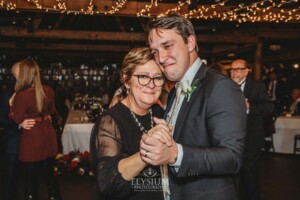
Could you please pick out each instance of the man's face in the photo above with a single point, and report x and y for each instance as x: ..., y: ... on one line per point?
x: 171, y: 53
x: 238, y: 71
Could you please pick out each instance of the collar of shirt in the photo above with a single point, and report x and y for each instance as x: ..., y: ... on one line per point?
x: 191, y: 72
x: 242, y: 84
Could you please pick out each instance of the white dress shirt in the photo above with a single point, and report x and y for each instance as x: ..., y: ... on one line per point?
x: 189, y: 75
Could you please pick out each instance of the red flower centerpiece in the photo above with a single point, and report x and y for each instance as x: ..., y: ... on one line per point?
x: 73, y: 163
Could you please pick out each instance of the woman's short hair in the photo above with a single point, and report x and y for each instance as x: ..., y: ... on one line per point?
x: 134, y: 58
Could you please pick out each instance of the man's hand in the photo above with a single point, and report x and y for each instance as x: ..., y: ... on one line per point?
x: 27, y: 124
x: 158, y: 147
x: 154, y: 152
x: 161, y: 132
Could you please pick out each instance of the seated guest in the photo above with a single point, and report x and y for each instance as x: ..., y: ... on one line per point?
x: 295, y: 105
x: 115, y: 141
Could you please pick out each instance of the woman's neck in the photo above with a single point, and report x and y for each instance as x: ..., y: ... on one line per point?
x: 134, y: 107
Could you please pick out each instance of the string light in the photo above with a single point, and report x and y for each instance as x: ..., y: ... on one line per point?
x: 117, y: 7
x: 177, y: 9
x: 260, y: 11
x: 147, y: 9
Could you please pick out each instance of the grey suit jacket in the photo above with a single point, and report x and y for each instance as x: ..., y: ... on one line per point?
x: 211, y: 127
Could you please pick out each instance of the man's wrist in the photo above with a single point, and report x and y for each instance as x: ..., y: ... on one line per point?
x: 175, y: 155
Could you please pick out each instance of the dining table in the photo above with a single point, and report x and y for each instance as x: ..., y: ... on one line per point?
x: 77, y: 131
x: 286, y: 127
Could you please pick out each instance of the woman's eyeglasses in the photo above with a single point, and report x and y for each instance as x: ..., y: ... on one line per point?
x: 144, y: 80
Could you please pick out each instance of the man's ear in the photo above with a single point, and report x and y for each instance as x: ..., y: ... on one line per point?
x: 191, y: 43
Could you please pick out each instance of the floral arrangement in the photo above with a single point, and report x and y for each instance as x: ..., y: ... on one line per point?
x: 73, y: 163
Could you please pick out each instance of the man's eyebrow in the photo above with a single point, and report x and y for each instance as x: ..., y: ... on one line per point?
x: 166, y: 42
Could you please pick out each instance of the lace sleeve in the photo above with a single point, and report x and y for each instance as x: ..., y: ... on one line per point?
x: 108, y: 145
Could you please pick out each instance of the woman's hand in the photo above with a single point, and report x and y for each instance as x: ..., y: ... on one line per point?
x: 161, y: 131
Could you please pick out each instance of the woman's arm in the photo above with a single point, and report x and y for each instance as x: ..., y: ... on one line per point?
x: 18, y: 108
x: 115, y: 167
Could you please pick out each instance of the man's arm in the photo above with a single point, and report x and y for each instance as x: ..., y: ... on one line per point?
x: 224, y: 127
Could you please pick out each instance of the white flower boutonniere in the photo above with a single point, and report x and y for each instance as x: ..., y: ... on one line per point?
x: 189, y: 89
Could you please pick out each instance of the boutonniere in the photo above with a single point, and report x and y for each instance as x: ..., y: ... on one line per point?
x: 189, y: 89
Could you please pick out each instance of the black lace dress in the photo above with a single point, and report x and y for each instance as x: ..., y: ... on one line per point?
x: 115, y: 136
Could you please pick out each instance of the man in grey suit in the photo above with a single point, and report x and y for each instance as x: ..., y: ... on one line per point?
x: 207, y: 146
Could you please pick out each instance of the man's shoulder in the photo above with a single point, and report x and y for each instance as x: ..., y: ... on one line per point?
x: 213, y: 76
x: 256, y: 83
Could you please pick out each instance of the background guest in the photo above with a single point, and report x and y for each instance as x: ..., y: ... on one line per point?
x: 295, y: 105
x: 278, y: 92
x: 38, y: 146
x: 258, y: 105
x: 10, y: 142
x: 120, y: 172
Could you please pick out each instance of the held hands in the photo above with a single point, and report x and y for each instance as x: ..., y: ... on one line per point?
x: 158, y: 147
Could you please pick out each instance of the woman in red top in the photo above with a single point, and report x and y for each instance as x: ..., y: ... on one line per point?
x: 38, y: 145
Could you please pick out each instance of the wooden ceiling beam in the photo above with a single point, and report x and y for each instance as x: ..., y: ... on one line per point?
x: 292, y: 54
x: 37, y: 20
x: 58, y: 22
x: 72, y: 35
x: 69, y: 47
x: 116, y: 36
x: 122, y: 28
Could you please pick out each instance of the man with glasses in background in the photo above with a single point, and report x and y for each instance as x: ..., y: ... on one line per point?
x: 258, y: 105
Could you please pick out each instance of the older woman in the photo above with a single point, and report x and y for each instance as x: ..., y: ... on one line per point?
x: 38, y: 145
x: 120, y: 171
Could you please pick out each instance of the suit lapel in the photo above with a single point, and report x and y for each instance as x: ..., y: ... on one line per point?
x: 247, y: 88
x: 201, y: 74
x: 171, y: 96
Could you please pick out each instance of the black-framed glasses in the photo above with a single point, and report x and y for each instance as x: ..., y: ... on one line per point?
x: 144, y: 80
x: 239, y: 69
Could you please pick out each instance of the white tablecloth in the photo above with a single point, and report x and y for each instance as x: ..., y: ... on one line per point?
x: 76, y: 133
x: 286, y: 129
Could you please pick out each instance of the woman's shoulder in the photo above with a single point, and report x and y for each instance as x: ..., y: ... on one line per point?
x: 48, y: 90
x: 47, y: 87
x: 26, y: 92
x: 118, y: 110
